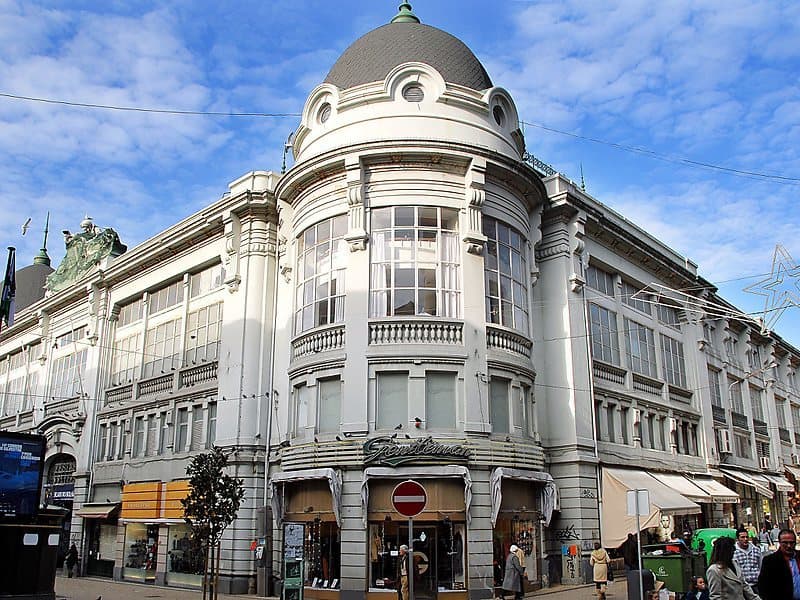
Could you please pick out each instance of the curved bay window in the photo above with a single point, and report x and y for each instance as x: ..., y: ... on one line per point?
x: 415, y: 266
x: 505, y: 266
x: 321, y: 261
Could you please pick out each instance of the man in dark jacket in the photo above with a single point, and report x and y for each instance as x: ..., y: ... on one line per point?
x: 780, y: 571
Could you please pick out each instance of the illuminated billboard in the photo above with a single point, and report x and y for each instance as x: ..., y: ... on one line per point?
x: 21, y: 466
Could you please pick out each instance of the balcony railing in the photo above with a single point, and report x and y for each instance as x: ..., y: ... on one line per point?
x: 760, y: 427
x: 718, y: 413
x: 509, y: 341
x: 318, y: 340
x: 413, y: 331
x: 739, y: 420
x: 156, y: 385
x: 122, y: 393
x: 53, y: 407
x: 197, y: 374
x: 609, y: 372
x: 646, y: 385
x: 677, y: 394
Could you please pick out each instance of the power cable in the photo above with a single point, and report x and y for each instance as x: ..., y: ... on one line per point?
x: 164, y: 111
x: 783, y: 179
x: 673, y: 159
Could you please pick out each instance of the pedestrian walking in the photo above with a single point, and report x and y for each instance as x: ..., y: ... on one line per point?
x: 764, y: 538
x: 72, y: 561
x: 402, y: 573
x: 599, y: 560
x: 724, y: 580
x: 747, y: 558
x: 512, y: 580
x: 780, y: 571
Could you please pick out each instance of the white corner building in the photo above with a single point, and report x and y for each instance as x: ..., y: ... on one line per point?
x: 413, y: 299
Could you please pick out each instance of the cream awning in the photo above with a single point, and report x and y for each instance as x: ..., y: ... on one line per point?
x: 97, y: 510
x: 616, y: 524
x: 795, y: 471
x: 781, y: 484
x: 685, y: 487
x: 747, y: 479
x: 284, y: 477
x: 721, y: 494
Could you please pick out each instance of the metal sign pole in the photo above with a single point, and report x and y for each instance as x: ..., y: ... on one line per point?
x: 410, y: 565
x: 639, y: 548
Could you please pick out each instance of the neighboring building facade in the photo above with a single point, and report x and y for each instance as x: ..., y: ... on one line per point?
x: 411, y: 299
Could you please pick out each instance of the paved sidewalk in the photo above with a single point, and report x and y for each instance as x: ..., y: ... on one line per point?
x: 92, y: 588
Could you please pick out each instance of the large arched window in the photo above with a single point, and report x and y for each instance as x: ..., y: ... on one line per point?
x: 415, y: 264
x: 321, y: 258
x: 505, y: 266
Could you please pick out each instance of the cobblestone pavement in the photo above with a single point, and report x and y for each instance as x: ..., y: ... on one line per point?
x: 90, y: 588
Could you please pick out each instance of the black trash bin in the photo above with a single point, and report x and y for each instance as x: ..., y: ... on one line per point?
x: 648, y: 582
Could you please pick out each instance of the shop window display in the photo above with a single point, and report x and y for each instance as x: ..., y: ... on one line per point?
x: 521, y: 532
x: 439, y: 555
x: 322, y: 554
x: 185, y: 557
x: 141, y: 552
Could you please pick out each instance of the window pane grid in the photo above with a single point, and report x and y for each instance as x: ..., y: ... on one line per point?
x: 203, y: 334
x: 641, y: 348
x: 322, y: 256
x: 161, y: 348
x: 505, y: 273
x: 674, y: 366
x: 415, y: 263
x: 603, y: 325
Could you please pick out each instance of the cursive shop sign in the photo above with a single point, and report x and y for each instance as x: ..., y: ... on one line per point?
x: 385, y: 450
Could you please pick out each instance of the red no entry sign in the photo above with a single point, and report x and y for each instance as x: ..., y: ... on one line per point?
x: 409, y: 498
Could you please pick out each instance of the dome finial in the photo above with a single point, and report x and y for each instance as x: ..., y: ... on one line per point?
x: 405, y: 14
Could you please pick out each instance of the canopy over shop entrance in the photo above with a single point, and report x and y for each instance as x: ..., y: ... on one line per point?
x: 616, y: 483
x: 545, y: 480
x: 334, y: 482
x: 748, y: 480
x: 719, y: 493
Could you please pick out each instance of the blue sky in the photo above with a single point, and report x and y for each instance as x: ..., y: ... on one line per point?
x: 712, y: 82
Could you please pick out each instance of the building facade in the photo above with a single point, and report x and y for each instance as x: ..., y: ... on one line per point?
x: 413, y: 299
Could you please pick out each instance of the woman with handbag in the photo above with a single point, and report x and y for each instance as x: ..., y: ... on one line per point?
x: 600, y: 569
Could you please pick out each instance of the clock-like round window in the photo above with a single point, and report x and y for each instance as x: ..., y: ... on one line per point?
x: 413, y: 93
x: 324, y: 113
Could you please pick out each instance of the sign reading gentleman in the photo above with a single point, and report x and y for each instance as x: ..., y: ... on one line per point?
x: 385, y: 450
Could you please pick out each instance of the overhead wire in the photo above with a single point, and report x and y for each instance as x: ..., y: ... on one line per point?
x: 759, y: 175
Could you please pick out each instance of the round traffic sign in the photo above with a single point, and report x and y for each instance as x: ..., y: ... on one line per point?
x: 409, y: 498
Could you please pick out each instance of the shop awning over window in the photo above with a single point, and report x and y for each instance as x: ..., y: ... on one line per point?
x: 97, y: 510
x: 781, y: 484
x: 280, y: 479
x: 549, y: 494
x: 616, y: 483
x: 794, y: 471
x: 418, y: 472
x: 748, y: 480
x: 718, y: 492
x: 685, y: 487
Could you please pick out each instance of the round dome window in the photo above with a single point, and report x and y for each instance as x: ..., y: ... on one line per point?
x: 413, y: 93
x: 324, y: 113
x: 499, y: 115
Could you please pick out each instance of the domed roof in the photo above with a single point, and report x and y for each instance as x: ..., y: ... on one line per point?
x: 372, y: 56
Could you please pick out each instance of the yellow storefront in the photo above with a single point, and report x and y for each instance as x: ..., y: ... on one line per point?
x: 158, y: 544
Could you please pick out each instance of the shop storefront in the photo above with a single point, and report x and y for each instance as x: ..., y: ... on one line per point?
x: 101, y: 537
x: 308, y: 502
x: 441, y: 541
x: 755, y: 497
x: 158, y: 545
x: 522, y: 505
x: 669, y: 510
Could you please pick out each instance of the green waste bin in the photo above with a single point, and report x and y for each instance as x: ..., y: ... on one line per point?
x: 703, y: 539
x: 675, y: 569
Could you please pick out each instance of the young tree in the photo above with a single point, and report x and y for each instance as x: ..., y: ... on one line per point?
x: 211, y: 505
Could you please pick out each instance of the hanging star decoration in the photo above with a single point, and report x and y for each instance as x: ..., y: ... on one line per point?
x: 781, y: 288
